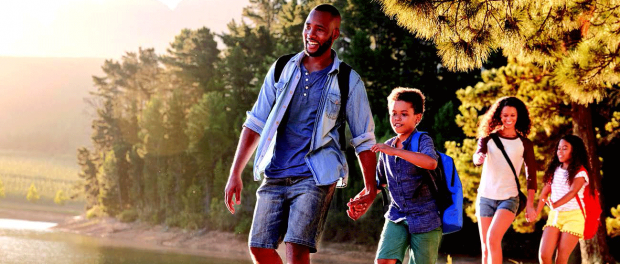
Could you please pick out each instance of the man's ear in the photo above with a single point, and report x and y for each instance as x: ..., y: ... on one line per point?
x: 336, y: 33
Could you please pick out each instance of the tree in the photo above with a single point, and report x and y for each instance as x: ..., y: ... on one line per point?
x: 60, y: 198
x: 576, y: 41
x: 2, y: 194
x: 33, y: 194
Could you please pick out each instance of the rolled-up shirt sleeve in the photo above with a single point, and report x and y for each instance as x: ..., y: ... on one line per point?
x: 256, y: 118
x: 359, y: 116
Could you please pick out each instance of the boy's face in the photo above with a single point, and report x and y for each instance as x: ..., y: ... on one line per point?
x: 402, y: 117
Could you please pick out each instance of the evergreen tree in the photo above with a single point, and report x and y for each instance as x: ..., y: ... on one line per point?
x: 33, y: 194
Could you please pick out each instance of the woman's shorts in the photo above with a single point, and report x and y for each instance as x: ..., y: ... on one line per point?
x: 486, y: 207
x: 571, y: 222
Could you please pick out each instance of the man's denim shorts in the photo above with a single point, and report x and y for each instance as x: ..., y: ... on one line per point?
x: 487, y: 207
x: 292, y: 210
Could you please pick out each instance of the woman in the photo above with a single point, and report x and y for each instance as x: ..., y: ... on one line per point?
x: 498, y: 195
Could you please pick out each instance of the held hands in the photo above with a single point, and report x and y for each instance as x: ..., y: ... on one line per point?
x: 360, y: 203
x: 233, y: 188
x: 380, y: 147
x: 530, y: 213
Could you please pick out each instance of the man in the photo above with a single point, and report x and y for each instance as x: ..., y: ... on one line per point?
x: 294, y: 123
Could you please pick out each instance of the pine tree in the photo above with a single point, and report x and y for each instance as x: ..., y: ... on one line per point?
x: 33, y: 194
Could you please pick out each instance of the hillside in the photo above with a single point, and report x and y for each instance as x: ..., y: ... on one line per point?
x: 42, y: 107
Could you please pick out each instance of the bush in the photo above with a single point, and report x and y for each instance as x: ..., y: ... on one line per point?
x: 95, y: 212
x: 33, y: 195
x: 60, y: 198
x: 127, y: 216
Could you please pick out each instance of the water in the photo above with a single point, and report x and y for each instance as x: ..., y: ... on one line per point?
x: 32, y: 242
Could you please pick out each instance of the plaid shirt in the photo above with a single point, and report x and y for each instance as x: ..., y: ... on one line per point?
x: 411, y: 196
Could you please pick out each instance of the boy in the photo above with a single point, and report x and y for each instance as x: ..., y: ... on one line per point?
x: 412, y: 220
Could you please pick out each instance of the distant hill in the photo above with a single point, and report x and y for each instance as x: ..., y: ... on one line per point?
x: 42, y: 106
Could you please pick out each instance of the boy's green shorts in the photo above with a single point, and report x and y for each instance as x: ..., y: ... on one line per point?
x: 396, y: 239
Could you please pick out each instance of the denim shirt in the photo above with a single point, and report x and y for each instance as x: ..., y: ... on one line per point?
x: 408, y: 184
x: 325, y: 159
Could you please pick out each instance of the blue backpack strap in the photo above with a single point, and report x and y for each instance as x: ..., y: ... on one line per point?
x: 415, y: 140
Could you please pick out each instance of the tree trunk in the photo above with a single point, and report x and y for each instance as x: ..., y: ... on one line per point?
x: 594, y: 250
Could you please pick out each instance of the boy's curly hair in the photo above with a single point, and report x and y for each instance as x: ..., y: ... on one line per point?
x: 492, y: 121
x: 411, y: 95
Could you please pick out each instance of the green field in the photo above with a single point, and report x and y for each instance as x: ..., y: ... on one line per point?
x: 49, y: 174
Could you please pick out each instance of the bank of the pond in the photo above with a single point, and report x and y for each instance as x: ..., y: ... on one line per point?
x: 212, y: 244
x: 198, y: 242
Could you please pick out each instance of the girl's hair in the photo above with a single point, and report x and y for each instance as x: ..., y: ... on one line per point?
x: 492, y: 121
x: 579, y: 158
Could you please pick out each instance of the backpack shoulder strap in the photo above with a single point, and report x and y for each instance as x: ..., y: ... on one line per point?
x: 344, y: 73
x: 280, y: 63
x: 416, y: 137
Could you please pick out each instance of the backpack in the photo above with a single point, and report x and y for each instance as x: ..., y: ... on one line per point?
x: 591, y: 209
x: 447, y: 187
x: 343, y: 84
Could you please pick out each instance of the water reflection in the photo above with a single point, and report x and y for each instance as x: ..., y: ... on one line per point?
x: 29, y: 242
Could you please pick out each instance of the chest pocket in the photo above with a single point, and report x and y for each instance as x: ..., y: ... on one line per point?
x: 333, y: 105
x: 280, y: 85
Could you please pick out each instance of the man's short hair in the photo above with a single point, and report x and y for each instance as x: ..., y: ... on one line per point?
x: 411, y: 95
x: 332, y: 10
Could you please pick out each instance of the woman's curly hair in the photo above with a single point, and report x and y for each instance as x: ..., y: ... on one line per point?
x: 492, y: 121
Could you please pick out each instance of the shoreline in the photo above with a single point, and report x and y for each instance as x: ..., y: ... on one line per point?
x: 204, y: 243
x: 212, y: 244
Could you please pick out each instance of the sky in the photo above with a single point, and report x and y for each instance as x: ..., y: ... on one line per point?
x: 105, y: 28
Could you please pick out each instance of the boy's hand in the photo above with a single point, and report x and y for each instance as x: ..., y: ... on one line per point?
x: 233, y: 189
x: 380, y: 147
x: 360, y: 204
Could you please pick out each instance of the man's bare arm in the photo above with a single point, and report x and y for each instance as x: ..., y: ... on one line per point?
x: 248, y: 140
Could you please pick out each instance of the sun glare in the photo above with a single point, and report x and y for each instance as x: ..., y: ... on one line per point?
x: 172, y: 4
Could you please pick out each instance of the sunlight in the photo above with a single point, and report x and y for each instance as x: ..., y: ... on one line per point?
x: 172, y: 4
x: 24, y: 225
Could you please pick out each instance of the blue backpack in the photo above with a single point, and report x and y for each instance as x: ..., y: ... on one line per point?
x: 448, y: 190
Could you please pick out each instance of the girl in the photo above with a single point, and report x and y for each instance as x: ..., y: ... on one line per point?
x: 498, y: 200
x: 567, y: 176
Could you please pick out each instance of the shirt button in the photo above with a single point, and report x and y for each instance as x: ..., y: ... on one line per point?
x: 306, y: 79
x: 269, y: 139
x: 306, y: 87
x: 306, y: 73
x: 304, y: 94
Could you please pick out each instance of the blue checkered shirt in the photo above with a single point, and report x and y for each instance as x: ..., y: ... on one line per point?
x: 409, y: 189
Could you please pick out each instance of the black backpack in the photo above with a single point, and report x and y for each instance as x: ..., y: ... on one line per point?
x: 343, y: 83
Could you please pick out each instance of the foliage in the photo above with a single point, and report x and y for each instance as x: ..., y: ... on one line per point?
x: 2, y: 193
x: 60, y: 198
x: 578, y: 39
x: 613, y: 222
x: 128, y: 216
x: 33, y: 195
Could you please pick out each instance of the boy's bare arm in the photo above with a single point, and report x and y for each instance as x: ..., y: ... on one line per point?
x: 416, y: 158
x: 248, y: 141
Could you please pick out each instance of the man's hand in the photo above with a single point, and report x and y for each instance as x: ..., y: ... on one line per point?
x: 233, y: 188
x: 361, y: 203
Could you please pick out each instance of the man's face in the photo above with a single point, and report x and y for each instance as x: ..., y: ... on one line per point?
x: 319, y: 33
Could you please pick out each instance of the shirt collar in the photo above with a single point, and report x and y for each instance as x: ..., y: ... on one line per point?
x: 335, y: 64
x: 407, y: 142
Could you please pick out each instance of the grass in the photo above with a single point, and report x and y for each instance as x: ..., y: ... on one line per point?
x: 49, y: 174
